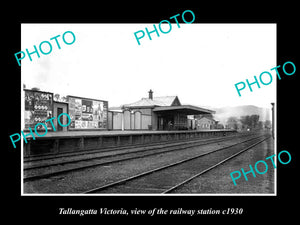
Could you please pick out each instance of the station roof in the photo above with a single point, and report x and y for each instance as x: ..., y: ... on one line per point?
x: 156, y: 101
x: 167, y: 104
x: 186, y: 109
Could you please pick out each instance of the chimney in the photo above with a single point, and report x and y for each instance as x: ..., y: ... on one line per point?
x: 151, y: 94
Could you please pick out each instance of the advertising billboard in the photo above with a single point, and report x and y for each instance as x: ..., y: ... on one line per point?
x: 87, y: 113
x: 38, y: 108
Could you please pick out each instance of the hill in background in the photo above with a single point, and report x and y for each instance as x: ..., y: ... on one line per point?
x: 222, y: 114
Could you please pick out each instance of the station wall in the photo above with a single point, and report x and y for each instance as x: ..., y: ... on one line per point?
x: 117, y: 121
x: 129, y: 120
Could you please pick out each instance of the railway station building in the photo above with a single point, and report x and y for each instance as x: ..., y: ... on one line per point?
x: 151, y: 113
x: 159, y: 113
x: 145, y: 121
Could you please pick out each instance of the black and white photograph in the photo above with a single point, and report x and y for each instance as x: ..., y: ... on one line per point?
x: 190, y: 111
x: 140, y: 112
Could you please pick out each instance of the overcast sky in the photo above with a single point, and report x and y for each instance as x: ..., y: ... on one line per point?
x: 200, y: 63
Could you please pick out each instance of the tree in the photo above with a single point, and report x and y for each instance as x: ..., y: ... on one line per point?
x: 245, y: 120
x: 56, y: 97
x: 260, y: 125
x: 232, y: 122
x: 249, y: 121
x: 254, y: 120
x: 35, y: 89
x: 268, y: 124
x: 64, y: 99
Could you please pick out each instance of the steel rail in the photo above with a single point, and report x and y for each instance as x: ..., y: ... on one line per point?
x: 212, y: 167
x: 122, y: 181
x: 29, y: 159
x: 145, y: 149
x: 63, y: 171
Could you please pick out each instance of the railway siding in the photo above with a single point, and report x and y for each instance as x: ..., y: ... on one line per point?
x: 219, y: 180
x: 82, y: 180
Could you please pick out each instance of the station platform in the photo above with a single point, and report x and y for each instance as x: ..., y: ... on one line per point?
x: 63, y: 134
x: 73, y: 141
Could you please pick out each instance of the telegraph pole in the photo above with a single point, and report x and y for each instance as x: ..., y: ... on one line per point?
x: 273, y: 121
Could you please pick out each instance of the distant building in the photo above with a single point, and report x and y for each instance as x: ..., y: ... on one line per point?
x: 206, y: 123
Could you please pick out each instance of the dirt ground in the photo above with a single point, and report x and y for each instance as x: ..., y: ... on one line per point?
x: 219, y: 180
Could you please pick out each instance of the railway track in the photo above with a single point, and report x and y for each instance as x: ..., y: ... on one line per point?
x: 71, y: 154
x: 39, y: 171
x: 170, y: 177
x: 47, y: 160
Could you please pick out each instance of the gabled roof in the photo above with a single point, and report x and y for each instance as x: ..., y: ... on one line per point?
x: 156, y: 101
x: 206, y: 118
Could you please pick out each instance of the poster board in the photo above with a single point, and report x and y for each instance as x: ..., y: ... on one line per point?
x: 38, y: 108
x: 87, y: 113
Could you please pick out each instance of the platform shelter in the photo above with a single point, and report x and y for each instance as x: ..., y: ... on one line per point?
x: 162, y: 113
